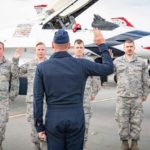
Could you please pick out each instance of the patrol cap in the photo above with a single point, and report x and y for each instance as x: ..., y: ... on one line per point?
x: 61, y: 37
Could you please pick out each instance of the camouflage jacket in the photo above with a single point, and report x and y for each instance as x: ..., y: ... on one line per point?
x: 9, y: 81
x: 28, y: 70
x: 132, y: 77
x: 92, y: 88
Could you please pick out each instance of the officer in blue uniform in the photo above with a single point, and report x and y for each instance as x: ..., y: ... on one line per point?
x: 61, y: 79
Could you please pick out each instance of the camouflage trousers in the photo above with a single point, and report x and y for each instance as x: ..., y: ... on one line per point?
x: 4, y: 114
x: 129, y: 116
x: 88, y: 114
x: 34, y: 134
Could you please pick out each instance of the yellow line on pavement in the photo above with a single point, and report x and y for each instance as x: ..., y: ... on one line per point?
x: 103, y: 100
x: 17, y: 115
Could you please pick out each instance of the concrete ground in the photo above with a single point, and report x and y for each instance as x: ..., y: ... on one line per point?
x: 103, y: 128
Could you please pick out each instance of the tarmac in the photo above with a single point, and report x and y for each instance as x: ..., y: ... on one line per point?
x: 103, y: 134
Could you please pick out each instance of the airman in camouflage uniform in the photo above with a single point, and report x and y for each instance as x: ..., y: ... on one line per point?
x: 92, y: 87
x: 28, y: 70
x: 8, y: 89
x: 132, y: 90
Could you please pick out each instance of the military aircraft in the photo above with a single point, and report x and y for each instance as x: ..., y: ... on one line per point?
x: 59, y: 14
x: 62, y: 14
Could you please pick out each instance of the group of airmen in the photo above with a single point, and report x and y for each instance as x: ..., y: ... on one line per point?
x: 10, y: 71
x: 132, y: 90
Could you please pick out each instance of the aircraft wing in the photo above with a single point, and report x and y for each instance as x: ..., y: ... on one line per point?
x: 94, y: 48
x: 118, y: 40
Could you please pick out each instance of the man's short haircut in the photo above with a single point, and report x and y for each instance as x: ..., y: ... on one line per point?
x: 129, y: 41
x: 2, y: 44
x: 78, y: 41
x: 39, y: 43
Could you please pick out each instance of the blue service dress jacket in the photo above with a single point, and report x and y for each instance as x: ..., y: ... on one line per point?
x: 61, y: 79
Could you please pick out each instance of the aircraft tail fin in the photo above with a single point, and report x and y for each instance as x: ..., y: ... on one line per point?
x: 39, y: 8
x: 121, y: 21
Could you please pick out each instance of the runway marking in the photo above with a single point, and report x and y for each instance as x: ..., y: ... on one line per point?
x: 104, y: 100
x: 17, y: 115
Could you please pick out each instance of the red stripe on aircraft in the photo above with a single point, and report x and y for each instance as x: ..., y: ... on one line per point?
x: 124, y: 20
x: 147, y: 48
x: 40, y: 6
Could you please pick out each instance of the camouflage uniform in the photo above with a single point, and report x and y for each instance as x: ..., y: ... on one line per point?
x: 92, y: 87
x: 9, y: 88
x: 132, y: 85
x: 28, y: 70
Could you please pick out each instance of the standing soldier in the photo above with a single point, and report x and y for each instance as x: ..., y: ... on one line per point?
x: 132, y: 90
x: 28, y: 70
x: 8, y: 88
x: 91, y: 88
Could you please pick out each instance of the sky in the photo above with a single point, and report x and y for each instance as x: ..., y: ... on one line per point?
x: 137, y: 12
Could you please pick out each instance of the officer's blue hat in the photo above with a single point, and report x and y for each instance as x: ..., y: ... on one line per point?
x: 61, y: 37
